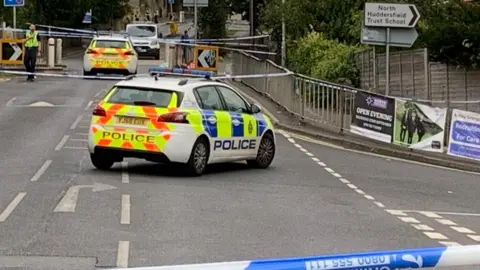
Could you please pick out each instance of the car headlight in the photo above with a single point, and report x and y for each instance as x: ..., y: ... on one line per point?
x: 154, y: 43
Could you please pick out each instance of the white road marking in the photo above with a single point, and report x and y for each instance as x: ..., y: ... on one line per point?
x: 359, y: 191
x: 459, y: 214
x: 345, y: 181
x: 11, y: 206
x: 322, y: 164
x: 396, y: 212
x: 436, y: 236
x: 352, y: 186
x: 449, y: 244
x: 446, y: 222
x: 309, y: 154
x: 99, y: 93
x: 75, y: 147
x: 303, y: 150
x: 409, y: 220
x: 62, y: 143
x: 475, y: 237
x: 297, y: 145
x: 125, y: 213
x: 462, y: 230
x: 315, y: 159
x: 422, y: 227
x: 82, y: 134
x: 291, y: 140
x: 368, y: 197
x: 329, y: 170
x: 41, y: 171
x: 79, y: 140
x: 123, y: 253
x: 430, y: 214
x: 76, y: 122
x: 9, y: 103
x: 83, y: 126
x: 88, y: 105
x: 337, y: 175
x: 125, y: 176
x: 379, y: 204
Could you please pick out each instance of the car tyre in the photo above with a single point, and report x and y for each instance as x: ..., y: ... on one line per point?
x: 265, y: 154
x: 101, y: 162
x: 197, y: 163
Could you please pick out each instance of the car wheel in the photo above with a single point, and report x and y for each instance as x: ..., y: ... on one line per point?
x: 101, y: 162
x: 265, y: 154
x: 197, y: 163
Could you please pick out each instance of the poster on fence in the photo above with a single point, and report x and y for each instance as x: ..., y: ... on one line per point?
x: 419, y: 126
x: 373, y: 116
x: 465, y: 135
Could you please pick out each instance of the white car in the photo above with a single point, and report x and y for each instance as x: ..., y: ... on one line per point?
x: 145, y: 38
x: 110, y: 55
x: 192, y: 121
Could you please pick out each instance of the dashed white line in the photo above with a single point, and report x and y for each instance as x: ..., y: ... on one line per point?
x: 309, y: 154
x: 315, y: 159
x: 322, y: 164
x: 62, y: 142
x: 379, y: 204
x: 125, y: 213
x: 430, y: 214
x: 79, y: 140
x: 99, y: 93
x: 76, y: 122
x: 446, y: 222
x: 368, y: 197
x: 11, y: 206
x: 82, y: 134
x: 422, y: 227
x: 75, y: 147
x: 297, y: 145
x: 83, y: 126
x: 409, y: 220
x: 462, y: 230
x: 41, y: 171
x: 303, y: 150
x: 291, y: 140
x: 396, y: 212
x: 337, y: 175
x: 88, y: 105
x: 474, y: 237
x: 345, y: 181
x: 352, y: 186
x: 125, y: 176
x: 123, y: 253
x: 449, y: 244
x: 435, y: 235
x: 329, y: 170
x: 359, y: 191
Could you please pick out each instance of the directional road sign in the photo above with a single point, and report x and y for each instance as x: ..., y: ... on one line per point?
x: 399, y: 37
x: 11, y: 51
x: 13, y: 3
x: 191, y: 3
x: 206, y: 58
x: 391, y: 15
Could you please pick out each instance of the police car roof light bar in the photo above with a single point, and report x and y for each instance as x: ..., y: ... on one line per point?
x: 181, y: 72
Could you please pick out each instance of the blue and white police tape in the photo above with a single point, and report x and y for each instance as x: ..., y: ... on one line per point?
x: 381, y: 260
x: 175, y: 72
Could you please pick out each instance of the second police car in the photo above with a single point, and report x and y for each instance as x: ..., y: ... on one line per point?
x: 110, y: 55
x: 191, y: 121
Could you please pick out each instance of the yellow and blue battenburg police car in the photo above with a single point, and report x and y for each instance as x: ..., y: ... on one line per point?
x: 194, y: 121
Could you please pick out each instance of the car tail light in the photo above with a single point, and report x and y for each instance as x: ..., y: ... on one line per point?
x: 129, y: 53
x: 174, y: 117
x: 90, y: 51
x: 99, y: 111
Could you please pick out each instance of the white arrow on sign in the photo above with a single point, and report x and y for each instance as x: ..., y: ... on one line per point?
x: 391, y: 15
x: 203, y: 58
x: 69, y: 200
x: 17, y: 51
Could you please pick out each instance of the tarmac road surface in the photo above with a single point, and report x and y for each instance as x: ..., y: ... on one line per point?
x: 313, y: 200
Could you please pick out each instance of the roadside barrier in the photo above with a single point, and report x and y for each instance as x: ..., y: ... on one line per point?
x: 380, y: 260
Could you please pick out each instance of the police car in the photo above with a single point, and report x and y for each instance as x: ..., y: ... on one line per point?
x: 192, y: 121
x: 110, y: 54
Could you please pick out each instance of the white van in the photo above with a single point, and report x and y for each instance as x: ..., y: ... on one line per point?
x: 144, y: 37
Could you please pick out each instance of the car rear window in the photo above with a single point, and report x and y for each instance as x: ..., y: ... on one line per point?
x: 117, y: 44
x: 143, y: 96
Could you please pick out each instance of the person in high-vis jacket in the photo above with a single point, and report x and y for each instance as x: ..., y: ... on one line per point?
x: 32, y: 42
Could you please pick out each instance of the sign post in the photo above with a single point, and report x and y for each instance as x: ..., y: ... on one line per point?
x: 390, y: 25
x: 206, y: 58
x: 14, y: 4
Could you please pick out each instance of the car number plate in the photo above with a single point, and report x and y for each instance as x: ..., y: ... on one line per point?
x: 128, y: 120
x: 142, y: 50
x: 107, y: 63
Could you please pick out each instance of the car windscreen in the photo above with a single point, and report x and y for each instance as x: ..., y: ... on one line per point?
x: 141, y: 30
x: 143, y: 96
x: 117, y: 44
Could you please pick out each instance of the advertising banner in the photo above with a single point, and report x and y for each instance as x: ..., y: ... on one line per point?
x: 419, y: 126
x: 373, y: 116
x: 465, y: 135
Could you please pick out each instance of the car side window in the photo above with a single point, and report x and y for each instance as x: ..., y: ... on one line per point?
x: 208, y: 98
x: 234, y: 102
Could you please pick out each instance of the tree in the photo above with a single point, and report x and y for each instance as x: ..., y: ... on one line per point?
x: 212, y: 20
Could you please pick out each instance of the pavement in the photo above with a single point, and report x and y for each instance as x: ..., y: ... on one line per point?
x: 316, y: 198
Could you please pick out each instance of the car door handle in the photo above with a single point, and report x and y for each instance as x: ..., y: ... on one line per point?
x: 212, y: 119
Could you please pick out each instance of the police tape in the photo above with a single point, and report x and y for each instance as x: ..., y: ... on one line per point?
x: 165, y: 72
x: 380, y: 260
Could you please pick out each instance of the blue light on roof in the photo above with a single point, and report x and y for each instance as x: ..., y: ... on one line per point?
x: 181, y: 71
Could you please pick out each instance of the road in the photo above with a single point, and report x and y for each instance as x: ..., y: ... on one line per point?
x: 315, y: 199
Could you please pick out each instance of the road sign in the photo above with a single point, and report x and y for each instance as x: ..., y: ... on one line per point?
x: 13, y: 3
x: 391, y: 15
x: 206, y: 57
x: 191, y: 3
x: 11, y: 51
x: 87, y: 18
x: 171, y: 2
x: 399, y: 37
x: 69, y: 200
